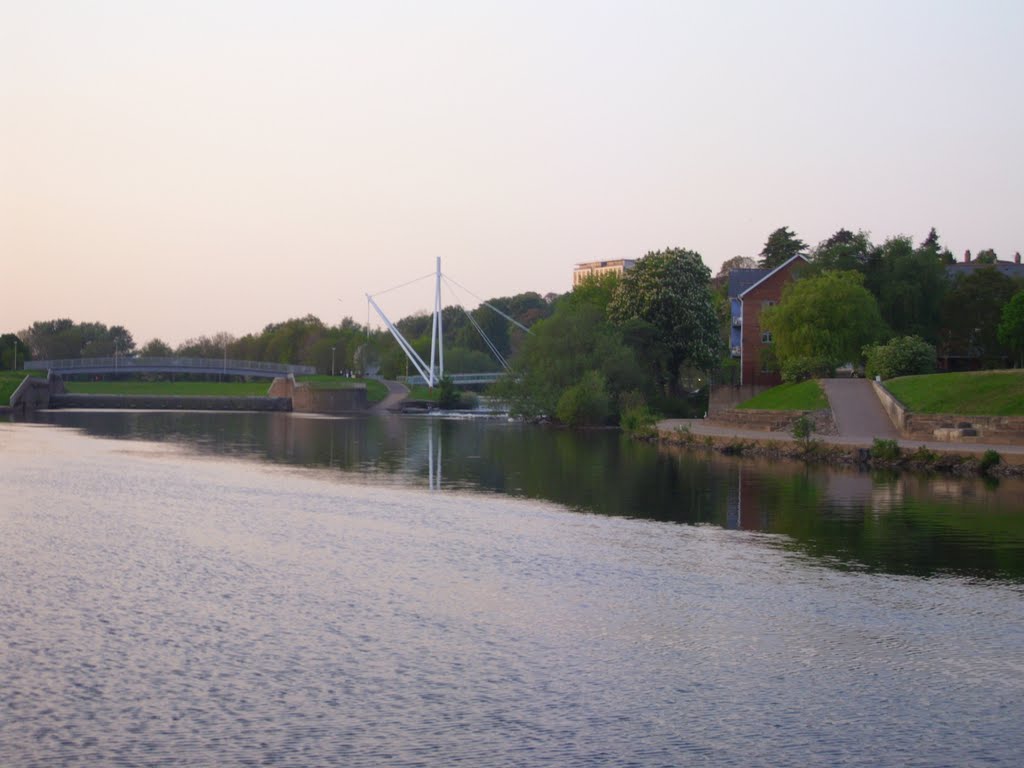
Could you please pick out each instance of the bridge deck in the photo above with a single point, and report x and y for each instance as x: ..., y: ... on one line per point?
x: 201, y: 365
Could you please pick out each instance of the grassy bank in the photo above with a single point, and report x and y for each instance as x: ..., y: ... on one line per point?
x: 802, y: 396
x: 979, y: 393
x: 9, y: 381
x: 375, y: 391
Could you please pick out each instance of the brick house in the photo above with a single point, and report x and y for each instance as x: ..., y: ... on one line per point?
x: 750, y: 292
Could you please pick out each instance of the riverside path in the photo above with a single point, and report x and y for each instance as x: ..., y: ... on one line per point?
x: 857, y: 411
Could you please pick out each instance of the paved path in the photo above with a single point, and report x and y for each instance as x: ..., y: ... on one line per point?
x: 857, y: 411
x: 396, y: 394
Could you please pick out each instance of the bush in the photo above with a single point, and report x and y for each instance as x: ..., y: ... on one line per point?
x: 885, y: 450
x: 584, y: 404
x: 803, y: 428
x: 635, y: 416
x: 989, y: 459
x: 801, y: 368
x: 902, y: 356
x: 448, y: 399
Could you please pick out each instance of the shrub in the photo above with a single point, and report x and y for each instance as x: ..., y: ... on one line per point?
x: 802, y: 368
x: 803, y: 428
x: 448, y: 397
x: 885, y: 450
x: 584, y: 404
x: 989, y: 459
x: 902, y: 356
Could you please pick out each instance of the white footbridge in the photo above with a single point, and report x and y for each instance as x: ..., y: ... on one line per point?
x: 431, y: 373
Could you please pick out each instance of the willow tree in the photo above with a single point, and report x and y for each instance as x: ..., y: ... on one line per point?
x: 831, y: 317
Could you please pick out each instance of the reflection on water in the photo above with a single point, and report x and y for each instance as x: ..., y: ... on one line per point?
x: 912, y: 524
x: 162, y: 606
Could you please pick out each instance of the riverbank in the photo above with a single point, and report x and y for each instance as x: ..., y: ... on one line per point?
x: 836, y: 450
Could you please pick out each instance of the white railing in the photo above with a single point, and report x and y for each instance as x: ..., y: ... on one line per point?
x: 166, y: 365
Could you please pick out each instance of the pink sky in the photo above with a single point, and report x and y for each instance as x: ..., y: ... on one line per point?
x: 191, y: 167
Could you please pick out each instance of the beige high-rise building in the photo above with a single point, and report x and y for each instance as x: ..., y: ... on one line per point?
x: 597, y: 268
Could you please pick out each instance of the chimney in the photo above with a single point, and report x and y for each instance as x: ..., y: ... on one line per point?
x: 967, y: 257
x: 1016, y: 258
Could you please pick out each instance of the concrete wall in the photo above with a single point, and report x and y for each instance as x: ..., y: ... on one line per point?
x: 307, y: 399
x: 769, y: 421
x: 31, y: 394
x: 725, y: 396
x: 311, y: 400
x: 171, y: 402
x: 921, y: 426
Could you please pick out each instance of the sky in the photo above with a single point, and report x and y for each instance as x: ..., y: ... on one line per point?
x: 190, y: 167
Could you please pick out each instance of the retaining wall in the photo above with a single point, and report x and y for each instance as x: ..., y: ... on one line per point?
x: 171, y: 402
x: 308, y: 399
x: 1003, y: 430
x: 772, y: 421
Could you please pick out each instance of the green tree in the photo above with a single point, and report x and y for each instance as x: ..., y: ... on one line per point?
x: 971, y: 313
x: 155, y: 348
x: 831, y: 317
x: 987, y: 256
x: 843, y: 251
x: 781, y: 246
x: 670, y: 291
x: 901, y: 356
x: 1011, y: 326
x: 736, y: 262
x: 13, y: 351
x: 911, y: 287
x: 585, y: 404
x: 561, y: 350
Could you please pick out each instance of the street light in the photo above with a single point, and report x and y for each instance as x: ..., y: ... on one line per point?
x: 332, y: 361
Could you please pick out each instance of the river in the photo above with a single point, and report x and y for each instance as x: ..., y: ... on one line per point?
x: 273, y: 589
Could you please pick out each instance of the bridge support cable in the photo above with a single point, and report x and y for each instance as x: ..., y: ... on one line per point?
x: 410, y: 353
x: 490, y: 344
x: 490, y: 306
x: 472, y: 320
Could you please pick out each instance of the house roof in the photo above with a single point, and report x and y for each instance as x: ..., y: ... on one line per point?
x: 741, y: 279
x: 1010, y: 268
x: 768, y: 273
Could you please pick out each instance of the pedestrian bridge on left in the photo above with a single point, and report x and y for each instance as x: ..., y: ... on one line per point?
x: 193, y: 365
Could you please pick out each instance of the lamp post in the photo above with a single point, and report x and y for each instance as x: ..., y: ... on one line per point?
x: 332, y: 361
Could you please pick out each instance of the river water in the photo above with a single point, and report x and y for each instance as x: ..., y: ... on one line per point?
x: 271, y: 589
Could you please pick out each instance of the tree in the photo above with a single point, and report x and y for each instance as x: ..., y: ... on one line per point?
x: 13, y: 351
x: 1011, y: 326
x: 585, y: 404
x: 736, y: 262
x: 902, y: 356
x: 781, y: 246
x: 562, y: 349
x: 831, y: 317
x: 670, y: 290
x: 910, y: 288
x: 155, y: 348
x: 843, y: 251
x: 932, y: 245
x: 987, y: 256
x: 971, y: 313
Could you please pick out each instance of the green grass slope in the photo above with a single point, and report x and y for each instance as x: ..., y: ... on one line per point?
x: 978, y: 393
x: 9, y: 381
x: 802, y: 396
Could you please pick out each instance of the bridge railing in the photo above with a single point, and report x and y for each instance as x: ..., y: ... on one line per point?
x: 457, y: 378
x: 167, y: 364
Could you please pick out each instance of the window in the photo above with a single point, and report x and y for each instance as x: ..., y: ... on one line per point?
x: 766, y: 337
